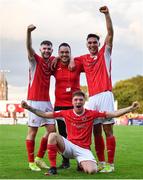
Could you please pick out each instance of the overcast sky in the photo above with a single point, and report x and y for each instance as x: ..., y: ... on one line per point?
x: 69, y: 21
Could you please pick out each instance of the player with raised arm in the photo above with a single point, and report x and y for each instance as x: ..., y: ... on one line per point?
x: 38, y: 97
x: 97, y: 66
x: 79, y: 123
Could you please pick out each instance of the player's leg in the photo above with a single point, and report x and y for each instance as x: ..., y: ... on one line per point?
x: 50, y: 127
x: 55, y: 144
x: 99, y: 145
x: 107, y: 100
x: 85, y: 159
x: 30, y: 145
x: 62, y: 131
x: 110, y: 146
x: 43, y: 146
x: 95, y: 103
x: 89, y: 167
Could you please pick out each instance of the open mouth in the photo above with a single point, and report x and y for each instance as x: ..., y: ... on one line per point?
x: 78, y: 106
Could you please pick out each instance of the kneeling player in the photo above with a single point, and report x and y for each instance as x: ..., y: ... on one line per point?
x: 79, y: 123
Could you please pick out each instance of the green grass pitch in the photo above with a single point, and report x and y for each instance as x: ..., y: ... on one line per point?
x: 13, y: 157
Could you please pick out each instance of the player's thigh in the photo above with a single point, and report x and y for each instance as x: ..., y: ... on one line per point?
x: 82, y: 154
x: 97, y: 129
x: 108, y: 129
x: 32, y: 131
x: 69, y: 149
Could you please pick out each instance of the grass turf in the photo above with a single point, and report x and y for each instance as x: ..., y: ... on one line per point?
x: 13, y: 157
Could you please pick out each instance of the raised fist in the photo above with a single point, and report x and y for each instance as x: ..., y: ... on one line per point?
x: 104, y: 9
x: 24, y: 104
x: 31, y: 27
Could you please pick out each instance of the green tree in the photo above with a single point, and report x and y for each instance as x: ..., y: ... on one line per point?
x: 129, y: 90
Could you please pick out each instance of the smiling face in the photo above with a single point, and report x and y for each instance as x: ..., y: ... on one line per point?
x: 46, y: 51
x: 92, y: 45
x: 64, y: 54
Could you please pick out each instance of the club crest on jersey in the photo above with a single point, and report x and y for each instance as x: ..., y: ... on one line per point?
x: 33, y: 121
x: 84, y: 118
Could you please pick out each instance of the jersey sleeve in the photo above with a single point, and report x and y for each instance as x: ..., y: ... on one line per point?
x: 98, y: 114
x: 58, y: 114
x: 78, y: 62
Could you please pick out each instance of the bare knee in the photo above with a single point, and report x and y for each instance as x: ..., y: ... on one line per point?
x: 52, y: 139
x: 89, y: 167
x: 92, y: 171
x: 49, y: 129
x: 32, y: 133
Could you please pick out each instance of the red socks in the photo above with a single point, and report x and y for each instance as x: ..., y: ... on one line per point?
x: 43, y: 147
x: 52, y: 154
x: 30, y: 144
x: 111, y: 145
x: 99, y: 147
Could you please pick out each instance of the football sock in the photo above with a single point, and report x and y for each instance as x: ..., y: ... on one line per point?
x: 30, y: 144
x: 99, y: 147
x: 111, y: 145
x: 52, y: 154
x: 43, y: 147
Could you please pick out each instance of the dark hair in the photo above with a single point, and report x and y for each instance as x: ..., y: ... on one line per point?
x: 78, y: 93
x: 64, y: 44
x: 93, y: 35
x: 49, y: 43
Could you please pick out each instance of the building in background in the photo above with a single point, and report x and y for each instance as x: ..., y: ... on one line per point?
x: 3, y: 86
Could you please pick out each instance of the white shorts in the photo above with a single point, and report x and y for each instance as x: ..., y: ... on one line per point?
x: 102, y: 102
x: 36, y: 121
x: 73, y: 151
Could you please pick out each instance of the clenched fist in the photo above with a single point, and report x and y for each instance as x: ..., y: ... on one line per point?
x: 104, y: 9
x: 24, y: 105
x: 31, y: 28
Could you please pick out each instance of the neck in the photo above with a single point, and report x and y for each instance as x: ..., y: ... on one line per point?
x: 65, y: 63
x: 79, y: 111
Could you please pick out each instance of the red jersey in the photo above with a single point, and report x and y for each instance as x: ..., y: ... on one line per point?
x: 39, y: 79
x: 79, y: 127
x: 67, y: 82
x: 98, y: 71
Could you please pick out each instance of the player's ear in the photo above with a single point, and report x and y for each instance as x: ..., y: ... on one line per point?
x: 98, y: 43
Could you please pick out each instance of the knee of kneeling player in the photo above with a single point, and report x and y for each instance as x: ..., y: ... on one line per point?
x: 52, y: 137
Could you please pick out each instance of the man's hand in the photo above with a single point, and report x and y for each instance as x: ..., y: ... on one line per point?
x: 54, y: 63
x: 104, y: 9
x: 135, y: 105
x: 24, y: 104
x: 31, y: 28
x: 71, y: 65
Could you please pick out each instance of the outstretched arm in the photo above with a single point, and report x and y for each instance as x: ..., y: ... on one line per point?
x: 30, y: 50
x: 37, y: 111
x: 110, y: 32
x: 120, y: 112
